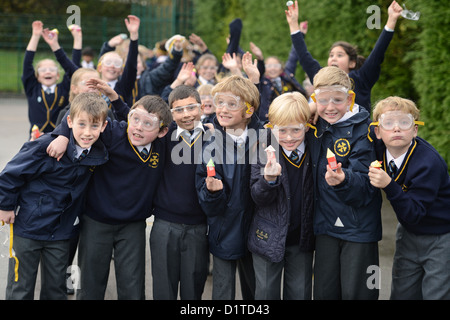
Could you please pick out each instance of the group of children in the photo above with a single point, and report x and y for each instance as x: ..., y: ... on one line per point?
x: 265, y: 199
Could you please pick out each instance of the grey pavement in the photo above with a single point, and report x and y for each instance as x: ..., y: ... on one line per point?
x: 14, y: 128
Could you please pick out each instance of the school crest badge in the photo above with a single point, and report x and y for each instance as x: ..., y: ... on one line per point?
x: 154, y: 160
x: 342, y: 147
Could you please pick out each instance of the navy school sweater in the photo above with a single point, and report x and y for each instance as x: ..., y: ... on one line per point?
x: 420, y: 191
x: 122, y: 191
x: 176, y: 199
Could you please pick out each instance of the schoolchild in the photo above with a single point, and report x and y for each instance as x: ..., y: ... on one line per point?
x: 43, y: 197
x: 209, y: 112
x: 120, y: 74
x: 281, y: 236
x: 120, y: 197
x: 347, y: 218
x: 225, y: 198
x: 45, y: 95
x: 416, y: 182
x: 178, y: 240
x: 364, y: 73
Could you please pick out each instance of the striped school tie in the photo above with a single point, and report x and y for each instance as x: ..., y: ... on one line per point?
x: 144, y: 153
x: 83, y: 154
x: 392, y: 168
x: 294, y: 157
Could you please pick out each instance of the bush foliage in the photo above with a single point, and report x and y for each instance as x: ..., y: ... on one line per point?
x: 415, y: 65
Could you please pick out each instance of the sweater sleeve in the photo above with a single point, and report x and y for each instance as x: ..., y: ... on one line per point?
x: 411, y: 205
x: 370, y: 71
x: 310, y: 65
x: 29, y: 80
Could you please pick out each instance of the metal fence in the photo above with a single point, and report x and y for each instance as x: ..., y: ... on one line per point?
x: 157, y: 22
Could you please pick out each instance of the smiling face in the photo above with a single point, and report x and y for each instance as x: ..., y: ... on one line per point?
x: 339, y: 58
x: 85, y: 129
x: 186, y: 117
x: 47, y: 72
x: 273, y: 68
x: 110, y: 66
x: 231, y: 111
x: 291, y: 135
x: 143, y: 127
x: 332, y: 105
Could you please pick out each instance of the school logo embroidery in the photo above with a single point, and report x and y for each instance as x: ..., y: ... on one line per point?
x: 61, y: 101
x: 262, y: 235
x: 342, y: 147
x: 404, y: 188
x: 154, y: 160
x: 352, y: 84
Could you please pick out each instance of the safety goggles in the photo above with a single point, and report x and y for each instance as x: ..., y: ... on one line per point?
x: 404, y: 121
x: 230, y: 101
x: 116, y: 63
x: 337, y: 95
x: 285, y: 133
x: 188, y: 108
x: 391, y: 119
x: 47, y: 69
x: 210, y: 68
x: 147, y: 121
x: 273, y: 66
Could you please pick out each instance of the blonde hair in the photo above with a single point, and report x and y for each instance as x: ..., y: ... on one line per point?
x: 205, y: 89
x: 76, y: 78
x: 92, y: 104
x: 241, y: 87
x: 330, y: 76
x: 36, y: 73
x: 395, y: 103
x: 288, y: 108
x: 100, y: 61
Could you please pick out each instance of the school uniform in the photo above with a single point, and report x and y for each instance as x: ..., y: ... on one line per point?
x: 281, y: 233
x: 362, y: 79
x: 347, y: 221
x: 47, y: 196
x: 44, y: 104
x: 178, y: 240
x: 420, y: 196
x: 229, y: 211
x: 119, y: 200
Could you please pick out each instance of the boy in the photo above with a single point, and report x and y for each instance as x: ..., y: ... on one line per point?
x: 178, y: 240
x: 281, y: 234
x: 45, y: 96
x: 226, y: 198
x: 47, y: 196
x: 416, y: 182
x: 347, y: 221
x: 120, y: 197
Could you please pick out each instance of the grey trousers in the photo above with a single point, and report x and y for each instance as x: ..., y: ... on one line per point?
x: 421, y: 267
x: 179, y: 255
x: 296, y: 268
x: 52, y: 256
x: 95, y: 249
x: 342, y: 269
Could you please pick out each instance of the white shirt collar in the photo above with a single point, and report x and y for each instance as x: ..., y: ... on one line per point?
x: 140, y: 148
x: 112, y: 83
x: 80, y: 150
x: 300, y: 150
x: 398, y: 161
x: 198, y: 125
x: 349, y: 114
x: 52, y: 88
x: 242, y: 138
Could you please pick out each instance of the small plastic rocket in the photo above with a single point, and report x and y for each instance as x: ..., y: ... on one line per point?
x: 331, y: 160
x: 210, y: 168
x: 376, y: 164
x: 35, y: 132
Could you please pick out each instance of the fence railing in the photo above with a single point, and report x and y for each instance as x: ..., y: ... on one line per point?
x: 157, y: 22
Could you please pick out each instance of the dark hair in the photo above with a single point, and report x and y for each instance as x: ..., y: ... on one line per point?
x: 352, y: 52
x: 183, y: 92
x: 157, y: 106
x: 88, y: 51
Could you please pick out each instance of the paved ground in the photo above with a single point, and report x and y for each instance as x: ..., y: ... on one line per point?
x: 14, y: 132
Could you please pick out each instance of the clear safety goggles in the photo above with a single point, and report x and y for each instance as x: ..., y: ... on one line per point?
x: 273, y: 66
x: 404, y: 121
x: 230, y: 101
x: 188, y: 108
x: 116, y: 63
x: 148, y: 122
x: 337, y: 95
x: 289, y: 133
x: 47, y: 69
